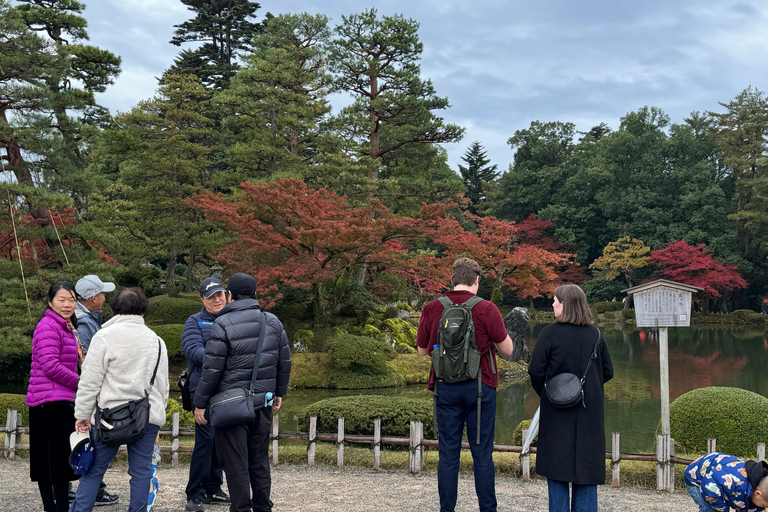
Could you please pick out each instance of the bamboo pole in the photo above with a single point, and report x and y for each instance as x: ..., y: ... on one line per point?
x: 526, y: 460
x: 615, y: 460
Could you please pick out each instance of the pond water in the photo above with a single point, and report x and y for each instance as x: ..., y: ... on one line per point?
x: 699, y: 357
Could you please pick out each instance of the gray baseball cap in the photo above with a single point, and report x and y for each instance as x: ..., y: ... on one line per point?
x: 90, y: 285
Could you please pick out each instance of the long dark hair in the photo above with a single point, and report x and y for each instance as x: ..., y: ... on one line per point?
x: 53, y: 290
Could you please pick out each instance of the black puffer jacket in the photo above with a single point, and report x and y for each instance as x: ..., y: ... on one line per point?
x: 230, y: 354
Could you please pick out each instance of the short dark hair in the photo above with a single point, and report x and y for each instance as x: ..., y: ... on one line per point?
x: 465, y: 271
x: 575, y: 307
x: 130, y: 301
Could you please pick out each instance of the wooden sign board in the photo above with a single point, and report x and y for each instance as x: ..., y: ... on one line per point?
x: 663, y: 306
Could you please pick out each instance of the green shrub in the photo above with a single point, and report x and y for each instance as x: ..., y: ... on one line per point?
x: 15, y: 357
x: 748, y: 316
x: 358, y: 353
x: 186, y: 418
x: 609, y: 315
x: 358, y: 412
x: 405, y: 307
x: 602, y: 307
x: 518, y: 439
x: 628, y: 314
x: 736, y: 418
x: 171, y: 334
x: 171, y: 311
x: 399, y: 333
x: 18, y: 402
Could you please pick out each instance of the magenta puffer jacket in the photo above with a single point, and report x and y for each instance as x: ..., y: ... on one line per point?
x: 54, y: 362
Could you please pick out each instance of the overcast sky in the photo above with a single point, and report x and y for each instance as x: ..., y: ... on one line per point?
x: 505, y: 63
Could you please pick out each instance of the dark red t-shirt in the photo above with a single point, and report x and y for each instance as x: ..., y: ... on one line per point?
x: 489, y: 329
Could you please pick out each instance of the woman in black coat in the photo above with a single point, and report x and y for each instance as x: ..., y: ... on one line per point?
x: 571, y: 446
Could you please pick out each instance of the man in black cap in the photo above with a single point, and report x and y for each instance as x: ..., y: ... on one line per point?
x: 230, y: 358
x: 205, y: 475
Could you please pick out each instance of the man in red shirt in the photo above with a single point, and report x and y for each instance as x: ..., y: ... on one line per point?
x: 456, y: 403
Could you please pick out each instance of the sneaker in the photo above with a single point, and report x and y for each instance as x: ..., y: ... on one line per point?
x: 218, y: 498
x: 106, y: 499
x: 195, y: 505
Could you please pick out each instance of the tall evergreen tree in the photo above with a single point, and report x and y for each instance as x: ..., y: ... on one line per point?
x: 225, y: 29
x: 477, y: 174
x: 276, y: 103
x: 377, y: 60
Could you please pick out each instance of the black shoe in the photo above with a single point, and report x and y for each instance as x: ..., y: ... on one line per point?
x: 106, y: 499
x: 217, y: 498
x: 195, y: 505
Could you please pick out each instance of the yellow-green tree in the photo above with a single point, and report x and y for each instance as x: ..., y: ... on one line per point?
x: 622, y: 257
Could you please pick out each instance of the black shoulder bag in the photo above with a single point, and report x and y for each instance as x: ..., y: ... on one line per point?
x: 565, y: 390
x: 238, y: 405
x: 126, y: 423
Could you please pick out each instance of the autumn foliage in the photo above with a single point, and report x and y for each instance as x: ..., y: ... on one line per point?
x: 287, y: 233
x: 694, y: 266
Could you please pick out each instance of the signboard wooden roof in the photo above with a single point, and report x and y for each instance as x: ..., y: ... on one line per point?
x: 662, y: 303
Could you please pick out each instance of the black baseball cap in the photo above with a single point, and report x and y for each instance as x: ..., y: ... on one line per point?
x: 211, y: 285
x: 242, y: 284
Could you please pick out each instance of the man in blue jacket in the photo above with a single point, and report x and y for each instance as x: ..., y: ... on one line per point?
x: 205, y: 475
x: 91, y: 294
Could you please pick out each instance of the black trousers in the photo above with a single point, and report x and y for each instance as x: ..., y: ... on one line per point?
x: 243, y: 451
x: 205, y: 475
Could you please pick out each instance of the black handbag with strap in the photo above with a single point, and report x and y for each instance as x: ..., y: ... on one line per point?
x: 565, y: 390
x: 238, y: 405
x: 126, y: 423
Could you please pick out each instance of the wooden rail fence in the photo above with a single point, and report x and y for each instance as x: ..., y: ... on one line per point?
x: 665, y: 446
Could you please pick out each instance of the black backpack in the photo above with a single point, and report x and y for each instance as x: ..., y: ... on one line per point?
x: 456, y: 358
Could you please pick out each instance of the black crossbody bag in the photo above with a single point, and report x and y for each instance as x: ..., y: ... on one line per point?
x: 565, y: 390
x: 238, y: 405
x: 126, y: 423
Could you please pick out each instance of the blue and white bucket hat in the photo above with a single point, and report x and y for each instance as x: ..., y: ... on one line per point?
x: 82, y: 454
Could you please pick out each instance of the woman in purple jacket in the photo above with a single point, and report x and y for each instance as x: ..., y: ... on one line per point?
x: 56, y: 357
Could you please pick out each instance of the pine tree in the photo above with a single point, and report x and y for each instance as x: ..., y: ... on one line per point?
x: 477, y: 174
x: 225, y: 29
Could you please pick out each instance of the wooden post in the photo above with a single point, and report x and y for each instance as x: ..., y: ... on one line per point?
x: 615, y: 460
x: 275, y: 437
x: 711, y: 445
x: 9, y: 447
x: 312, y: 441
x: 760, y: 451
x: 376, y: 444
x: 415, y: 444
x: 670, y: 466
x: 526, y: 460
x: 660, y: 457
x: 18, y: 428
x: 175, y: 440
x: 340, y: 445
x: 664, y: 381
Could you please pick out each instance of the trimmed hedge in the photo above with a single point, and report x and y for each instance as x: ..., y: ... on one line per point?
x: 396, y: 413
x: 359, y: 362
x: 171, y: 334
x: 736, y: 418
x: 517, y: 440
x: 602, y: 307
x: 167, y: 310
x: 18, y: 402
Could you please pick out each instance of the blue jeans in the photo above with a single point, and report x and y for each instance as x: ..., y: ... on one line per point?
x: 457, y: 406
x: 205, y: 476
x: 583, y: 498
x: 695, y: 492
x: 139, y: 460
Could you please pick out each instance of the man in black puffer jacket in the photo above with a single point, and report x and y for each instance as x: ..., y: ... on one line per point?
x: 230, y: 356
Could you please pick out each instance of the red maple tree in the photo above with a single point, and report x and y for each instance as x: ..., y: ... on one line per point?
x: 694, y: 266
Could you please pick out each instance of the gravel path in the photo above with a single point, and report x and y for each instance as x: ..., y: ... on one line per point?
x: 299, y: 489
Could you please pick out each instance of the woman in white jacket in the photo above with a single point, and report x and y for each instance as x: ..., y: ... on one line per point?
x: 118, y: 368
